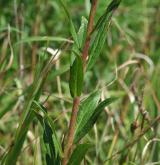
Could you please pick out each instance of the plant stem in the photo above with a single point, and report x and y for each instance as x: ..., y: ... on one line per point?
x: 76, y: 100
x: 89, y: 30
x: 70, y: 139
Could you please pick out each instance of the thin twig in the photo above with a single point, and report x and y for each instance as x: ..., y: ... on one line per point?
x: 130, y: 144
x: 36, y: 29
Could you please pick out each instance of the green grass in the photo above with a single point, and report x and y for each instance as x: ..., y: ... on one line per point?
x: 37, y: 89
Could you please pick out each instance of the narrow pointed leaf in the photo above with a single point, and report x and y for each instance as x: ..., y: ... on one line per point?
x: 13, y: 154
x: 39, y: 107
x: 21, y: 132
x: 101, y: 27
x: 76, y: 77
x: 72, y: 28
x: 78, y: 154
x: 87, y: 109
x: 47, y: 138
x: 82, y: 32
x: 92, y: 120
x: 27, y: 117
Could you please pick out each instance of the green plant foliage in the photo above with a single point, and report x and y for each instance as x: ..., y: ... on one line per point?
x: 78, y: 154
x: 86, y: 110
x: 27, y: 118
x: 90, y: 119
x: 82, y: 32
x: 102, y: 25
x: 46, y: 121
x: 76, y: 77
x: 72, y: 27
x: 43, y: 75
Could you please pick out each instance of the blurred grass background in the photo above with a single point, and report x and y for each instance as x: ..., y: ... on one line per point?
x: 128, y: 68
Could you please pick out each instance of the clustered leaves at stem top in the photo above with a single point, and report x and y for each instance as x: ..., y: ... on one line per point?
x: 77, y: 68
x: 86, y: 122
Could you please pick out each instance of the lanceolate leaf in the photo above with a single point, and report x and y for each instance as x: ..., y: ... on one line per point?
x: 76, y: 70
x: 48, y: 120
x: 101, y: 26
x: 78, y: 154
x: 97, y: 46
x: 82, y: 32
x: 47, y: 138
x: 86, y: 110
x: 76, y: 77
x: 111, y: 7
x: 72, y: 28
x: 82, y: 131
x: 13, y: 154
x: 27, y: 118
x: 48, y: 142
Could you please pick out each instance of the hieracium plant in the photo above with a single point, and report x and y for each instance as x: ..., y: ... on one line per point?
x: 88, y: 42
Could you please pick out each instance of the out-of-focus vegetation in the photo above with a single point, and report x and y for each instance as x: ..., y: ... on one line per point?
x: 35, y: 99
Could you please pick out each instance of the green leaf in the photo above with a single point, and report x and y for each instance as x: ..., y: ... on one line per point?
x: 50, y: 141
x: 113, y: 5
x: 78, y: 154
x: 47, y: 138
x: 37, y: 108
x: 85, y: 128
x: 86, y: 110
x: 96, y: 47
x: 76, y: 77
x: 27, y: 116
x: 13, y: 154
x: 108, y: 12
x: 52, y: 158
x: 82, y: 33
x: 101, y: 26
x: 72, y: 28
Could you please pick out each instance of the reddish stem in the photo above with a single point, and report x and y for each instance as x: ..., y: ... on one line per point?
x: 76, y: 100
x: 72, y: 124
x: 89, y: 30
